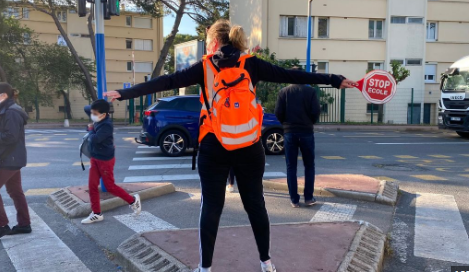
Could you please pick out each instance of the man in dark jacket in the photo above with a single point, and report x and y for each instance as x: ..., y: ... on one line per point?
x: 12, y: 159
x: 298, y: 109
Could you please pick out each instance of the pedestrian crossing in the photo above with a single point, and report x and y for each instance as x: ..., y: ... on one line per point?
x: 53, y: 131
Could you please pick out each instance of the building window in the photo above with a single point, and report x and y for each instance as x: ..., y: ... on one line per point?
x: 26, y: 38
x: 129, y: 66
x: 375, y: 66
x: 414, y: 20
x: 144, y: 67
x: 413, y: 62
x: 430, y: 73
x: 144, y: 45
x: 128, y: 43
x: 294, y: 26
x: 61, y: 41
x: 85, y: 35
x: 62, y: 16
x: 128, y: 20
x: 375, y: 29
x: 323, y: 27
x: 322, y: 67
x: 432, y: 28
x: 61, y: 108
x: 400, y: 61
x: 398, y: 20
x: 11, y: 12
x: 140, y: 22
x: 375, y: 108
x: 25, y: 13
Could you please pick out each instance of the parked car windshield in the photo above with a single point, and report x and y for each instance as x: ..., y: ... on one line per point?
x: 185, y: 104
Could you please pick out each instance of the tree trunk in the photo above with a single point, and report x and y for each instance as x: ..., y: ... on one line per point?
x: 91, y: 30
x: 169, y: 40
x: 68, y: 109
x: 3, y: 75
x: 88, y: 82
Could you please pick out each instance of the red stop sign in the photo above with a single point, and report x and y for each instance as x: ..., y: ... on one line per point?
x: 378, y: 87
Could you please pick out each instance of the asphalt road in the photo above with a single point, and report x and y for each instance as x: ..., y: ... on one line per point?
x: 422, y: 162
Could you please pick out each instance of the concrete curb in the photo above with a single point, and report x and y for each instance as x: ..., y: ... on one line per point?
x: 326, y: 128
x: 386, y: 195
x: 366, y: 252
x: 72, y: 207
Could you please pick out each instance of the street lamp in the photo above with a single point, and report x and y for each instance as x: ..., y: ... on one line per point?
x: 308, y: 39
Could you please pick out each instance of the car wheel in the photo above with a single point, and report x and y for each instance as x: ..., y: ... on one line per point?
x: 274, y: 143
x: 463, y: 134
x: 173, y: 143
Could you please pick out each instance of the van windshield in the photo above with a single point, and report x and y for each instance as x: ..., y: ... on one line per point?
x: 457, y: 82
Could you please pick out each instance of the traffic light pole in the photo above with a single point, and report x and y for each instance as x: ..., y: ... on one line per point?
x: 100, y: 55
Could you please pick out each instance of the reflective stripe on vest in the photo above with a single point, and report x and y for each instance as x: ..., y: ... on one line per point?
x: 254, y: 103
x: 240, y: 128
x: 242, y: 140
x: 214, y: 111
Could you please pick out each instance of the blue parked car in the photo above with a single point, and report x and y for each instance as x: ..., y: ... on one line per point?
x: 172, y: 123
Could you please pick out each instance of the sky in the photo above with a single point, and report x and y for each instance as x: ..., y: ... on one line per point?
x: 187, y: 25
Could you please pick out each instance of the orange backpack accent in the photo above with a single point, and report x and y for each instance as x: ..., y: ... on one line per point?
x: 230, y: 104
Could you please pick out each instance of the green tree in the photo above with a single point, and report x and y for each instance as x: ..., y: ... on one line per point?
x: 267, y: 92
x: 399, y: 72
x: 219, y: 10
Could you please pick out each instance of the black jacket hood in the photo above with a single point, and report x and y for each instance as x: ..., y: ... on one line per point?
x: 227, y: 56
x: 10, y: 104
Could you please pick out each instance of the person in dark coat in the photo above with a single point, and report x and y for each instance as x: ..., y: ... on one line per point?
x: 12, y: 159
x: 297, y: 108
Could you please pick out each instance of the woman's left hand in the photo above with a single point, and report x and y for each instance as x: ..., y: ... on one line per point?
x: 113, y: 95
x: 347, y: 83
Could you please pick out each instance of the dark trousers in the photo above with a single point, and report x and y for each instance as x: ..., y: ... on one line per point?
x: 231, y: 178
x: 304, y: 142
x: 12, y: 181
x: 214, y: 164
x: 105, y: 170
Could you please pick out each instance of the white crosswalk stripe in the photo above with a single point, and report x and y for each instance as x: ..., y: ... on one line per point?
x: 144, y: 222
x: 334, y: 212
x: 52, y: 131
x: 146, y: 146
x: 40, y: 251
x: 157, y: 178
x: 161, y: 158
x: 439, y: 229
x: 163, y: 166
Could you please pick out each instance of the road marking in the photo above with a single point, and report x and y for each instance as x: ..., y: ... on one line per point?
x: 370, y: 157
x: 334, y: 212
x: 440, y: 156
x: 400, y: 239
x: 465, y: 155
x: 163, y: 166
x: 187, y: 177
x: 146, y: 146
x: 50, y: 253
x: 71, y: 139
x: 60, y: 134
x: 428, y: 143
x: 198, y: 196
x: 372, y: 136
x: 144, y: 222
x: 464, y: 175
x: 146, y: 152
x: 439, y: 229
x: 79, y: 163
x: 42, y: 191
x: 333, y: 157
x: 405, y: 157
x: 428, y: 177
x: 384, y: 178
x: 442, y: 169
x: 42, y: 139
x: 161, y: 158
x: 39, y: 164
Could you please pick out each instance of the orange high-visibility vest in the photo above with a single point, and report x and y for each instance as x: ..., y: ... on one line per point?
x: 232, y: 113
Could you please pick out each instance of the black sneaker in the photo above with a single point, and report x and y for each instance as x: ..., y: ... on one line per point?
x: 310, y: 202
x: 5, y: 230
x: 20, y: 230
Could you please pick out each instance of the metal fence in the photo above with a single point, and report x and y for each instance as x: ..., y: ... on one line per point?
x: 332, y: 102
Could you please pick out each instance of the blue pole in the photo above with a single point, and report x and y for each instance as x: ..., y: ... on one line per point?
x: 149, y: 102
x: 308, y: 40
x: 100, y: 55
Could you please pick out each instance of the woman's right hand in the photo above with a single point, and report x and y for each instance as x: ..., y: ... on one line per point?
x: 113, y: 95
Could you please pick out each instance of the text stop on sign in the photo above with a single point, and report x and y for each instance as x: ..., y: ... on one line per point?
x: 378, y: 87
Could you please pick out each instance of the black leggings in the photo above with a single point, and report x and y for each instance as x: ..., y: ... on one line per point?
x: 214, y: 164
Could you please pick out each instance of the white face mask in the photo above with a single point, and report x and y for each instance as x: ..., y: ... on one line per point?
x: 96, y: 119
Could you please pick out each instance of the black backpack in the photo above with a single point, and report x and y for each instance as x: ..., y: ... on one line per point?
x: 85, y: 149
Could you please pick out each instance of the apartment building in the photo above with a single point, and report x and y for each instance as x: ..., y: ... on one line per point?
x: 350, y: 37
x: 124, y: 34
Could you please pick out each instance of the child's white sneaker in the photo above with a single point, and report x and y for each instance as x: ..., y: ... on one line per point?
x: 137, y: 205
x: 230, y: 188
x: 200, y: 269
x: 268, y: 267
x: 93, y: 218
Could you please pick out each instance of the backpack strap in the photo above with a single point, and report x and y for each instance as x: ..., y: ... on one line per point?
x: 242, y: 59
